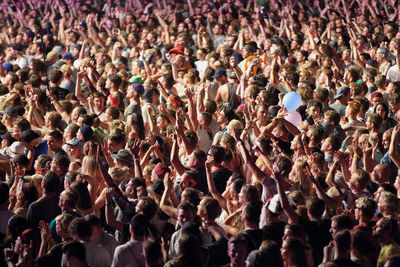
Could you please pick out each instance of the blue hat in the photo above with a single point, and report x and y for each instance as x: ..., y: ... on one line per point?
x: 87, y: 132
x: 30, y: 34
x: 67, y: 56
x: 218, y: 73
x: 372, y: 63
x: 76, y: 142
x: 7, y: 66
x: 334, y: 44
x: 138, y: 88
x: 344, y: 90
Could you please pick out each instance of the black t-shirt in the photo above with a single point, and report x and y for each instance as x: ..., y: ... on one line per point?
x: 274, y: 231
x: 254, y: 238
x: 346, y: 263
x: 59, y: 92
x: 220, y: 177
x: 202, y: 180
x: 318, y: 236
x: 60, y: 152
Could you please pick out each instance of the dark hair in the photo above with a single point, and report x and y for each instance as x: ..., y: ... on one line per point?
x: 316, y: 207
x: 62, y: 162
x: 4, y: 193
x: 218, y: 152
x: 55, y: 76
x: 85, y: 201
x: 343, y: 222
x: 93, y: 220
x: 343, y: 241
x: 75, y: 249
x: 56, y: 134
x: 189, y: 252
x: 29, y: 194
x: 80, y: 227
x: 51, y: 182
x: 21, y: 160
x: 253, y: 212
x: 152, y: 248
x: 138, y: 125
x: 116, y: 80
x: 297, y: 251
x: 148, y: 207
x: 361, y: 242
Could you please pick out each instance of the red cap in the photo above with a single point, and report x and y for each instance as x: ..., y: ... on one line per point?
x: 177, y: 50
x: 376, y: 94
x: 161, y: 169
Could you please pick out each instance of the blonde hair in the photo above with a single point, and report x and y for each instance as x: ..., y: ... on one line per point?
x: 89, y: 165
x: 354, y: 106
x: 119, y: 174
x: 64, y: 220
x: 236, y: 124
x: 300, y: 179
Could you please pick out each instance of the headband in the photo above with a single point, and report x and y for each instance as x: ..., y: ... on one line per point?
x: 115, y: 102
x: 174, y: 100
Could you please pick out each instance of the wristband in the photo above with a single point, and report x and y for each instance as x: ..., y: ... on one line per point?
x: 357, y: 156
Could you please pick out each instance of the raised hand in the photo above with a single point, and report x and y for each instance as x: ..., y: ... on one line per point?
x: 110, y: 192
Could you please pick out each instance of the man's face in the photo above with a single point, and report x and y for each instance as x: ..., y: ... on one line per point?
x: 16, y: 132
x: 386, y: 140
x: 53, y: 143
x: 230, y: 41
x: 185, y: 216
x: 98, y: 103
x: 237, y: 253
x: 108, y: 84
x: 334, y: 228
x: 377, y: 229
x: 115, y: 146
x: 325, y: 145
x: 55, y: 168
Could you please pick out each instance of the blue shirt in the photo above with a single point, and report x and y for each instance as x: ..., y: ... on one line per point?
x: 41, y: 149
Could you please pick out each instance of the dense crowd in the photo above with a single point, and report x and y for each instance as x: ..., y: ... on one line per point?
x: 200, y: 133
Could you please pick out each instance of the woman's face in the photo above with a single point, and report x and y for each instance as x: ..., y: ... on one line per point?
x: 381, y: 111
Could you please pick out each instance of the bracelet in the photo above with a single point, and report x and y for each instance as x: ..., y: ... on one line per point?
x: 356, y: 155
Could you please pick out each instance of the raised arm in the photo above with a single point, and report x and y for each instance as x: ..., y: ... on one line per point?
x: 213, y: 189
x: 393, y: 151
x: 168, y: 192
x: 290, y: 212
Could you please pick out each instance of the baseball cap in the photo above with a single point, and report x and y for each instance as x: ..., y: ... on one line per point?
x: 30, y: 34
x: 123, y: 155
x: 87, y: 132
x: 158, y: 186
x: 218, y: 73
x: 161, y: 169
x: 344, y: 90
x: 231, y: 74
x: 7, y: 66
x: 177, y: 50
x: 67, y: 55
x: 29, y: 135
x: 372, y: 63
x: 138, y: 88
x: 136, y: 79
x: 51, y: 55
x: 16, y: 148
x: 76, y: 142
x: 376, y: 94
x: 121, y: 60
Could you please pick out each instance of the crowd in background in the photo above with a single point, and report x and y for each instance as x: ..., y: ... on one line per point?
x: 200, y: 133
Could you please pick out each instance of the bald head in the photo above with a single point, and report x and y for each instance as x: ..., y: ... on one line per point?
x: 381, y: 173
